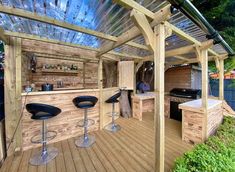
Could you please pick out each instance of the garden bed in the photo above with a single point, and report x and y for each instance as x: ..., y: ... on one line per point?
x: 217, y: 154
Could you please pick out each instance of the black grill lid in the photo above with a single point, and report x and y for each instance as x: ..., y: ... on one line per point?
x: 185, y: 93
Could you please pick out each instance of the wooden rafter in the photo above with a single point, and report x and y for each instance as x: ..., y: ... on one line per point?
x: 161, y: 15
x: 141, y: 21
x: 3, y: 36
x: 132, y: 4
x: 49, y: 20
x: 38, y: 38
x: 187, y: 37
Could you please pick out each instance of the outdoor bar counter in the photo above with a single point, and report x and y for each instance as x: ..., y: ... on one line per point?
x: 198, y: 125
x: 65, y: 124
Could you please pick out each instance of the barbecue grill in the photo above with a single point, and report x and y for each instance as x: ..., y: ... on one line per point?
x: 180, y: 95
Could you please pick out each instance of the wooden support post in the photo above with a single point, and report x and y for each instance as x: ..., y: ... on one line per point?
x: 159, y: 128
x: 13, y: 88
x: 100, y: 86
x: 84, y: 74
x: 3, y: 37
x: 204, y: 62
x: 221, y: 79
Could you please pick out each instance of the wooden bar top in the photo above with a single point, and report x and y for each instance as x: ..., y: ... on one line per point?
x: 197, y: 104
x: 58, y: 92
x: 143, y: 96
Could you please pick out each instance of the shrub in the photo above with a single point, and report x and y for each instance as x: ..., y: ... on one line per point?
x: 217, y: 154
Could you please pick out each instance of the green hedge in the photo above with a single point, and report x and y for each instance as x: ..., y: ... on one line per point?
x: 216, y: 155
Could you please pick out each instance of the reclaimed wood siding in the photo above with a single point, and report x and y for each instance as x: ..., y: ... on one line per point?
x: 193, y: 124
x: 65, y: 124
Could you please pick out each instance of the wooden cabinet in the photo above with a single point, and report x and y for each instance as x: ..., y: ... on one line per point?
x: 126, y: 74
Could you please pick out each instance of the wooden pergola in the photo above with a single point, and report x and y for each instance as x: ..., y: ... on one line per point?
x: 155, y: 28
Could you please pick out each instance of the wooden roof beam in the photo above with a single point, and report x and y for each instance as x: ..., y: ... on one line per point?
x: 49, y: 20
x: 38, y: 38
x: 161, y: 15
x: 3, y: 36
x: 134, y: 5
x: 187, y: 37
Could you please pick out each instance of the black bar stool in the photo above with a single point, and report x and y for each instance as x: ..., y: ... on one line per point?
x: 114, y: 99
x: 85, y: 102
x: 43, y: 112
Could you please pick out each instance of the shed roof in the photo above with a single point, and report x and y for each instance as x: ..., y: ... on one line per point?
x: 98, y: 15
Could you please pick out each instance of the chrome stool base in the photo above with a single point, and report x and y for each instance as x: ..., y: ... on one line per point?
x: 113, y: 127
x: 85, y: 142
x: 43, y: 158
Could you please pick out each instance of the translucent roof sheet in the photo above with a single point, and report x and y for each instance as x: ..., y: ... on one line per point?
x: 100, y: 15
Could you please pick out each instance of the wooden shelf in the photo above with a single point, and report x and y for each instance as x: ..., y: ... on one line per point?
x: 59, y: 71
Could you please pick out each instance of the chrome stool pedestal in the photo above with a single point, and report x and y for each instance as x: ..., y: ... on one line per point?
x: 47, y: 154
x: 85, y: 102
x: 112, y: 127
x: 43, y: 112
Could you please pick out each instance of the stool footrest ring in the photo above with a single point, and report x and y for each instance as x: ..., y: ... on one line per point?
x: 81, y: 123
x: 112, y: 114
x: 38, y: 138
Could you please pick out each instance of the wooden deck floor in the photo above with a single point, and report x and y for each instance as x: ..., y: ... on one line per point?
x: 129, y: 150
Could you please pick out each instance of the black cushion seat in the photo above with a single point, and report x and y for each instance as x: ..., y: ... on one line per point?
x: 114, y: 98
x: 42, y: 111
x: 85, y: 102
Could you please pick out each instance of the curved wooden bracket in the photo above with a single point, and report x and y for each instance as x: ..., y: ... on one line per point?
x: 141, y: 21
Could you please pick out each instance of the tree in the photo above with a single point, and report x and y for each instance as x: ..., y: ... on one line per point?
x: 221, y: 15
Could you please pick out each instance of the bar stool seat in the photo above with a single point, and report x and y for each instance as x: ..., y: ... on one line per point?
x: 85, y: 102
x: 113, y: 99
x: 43, y: 112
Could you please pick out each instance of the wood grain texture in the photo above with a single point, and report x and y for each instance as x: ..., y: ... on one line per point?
x: 193, y: 123
x: 182, y: 77
x: 130, y: 149
x: 65, y: 124
x: 12, y: 94
x: 126, y: 73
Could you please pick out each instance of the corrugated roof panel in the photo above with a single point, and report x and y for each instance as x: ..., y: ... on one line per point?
x: 100, y: 15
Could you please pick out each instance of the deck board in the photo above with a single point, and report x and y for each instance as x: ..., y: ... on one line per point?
x: 129, y: 150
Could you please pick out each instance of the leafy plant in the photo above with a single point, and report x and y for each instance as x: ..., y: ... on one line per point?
x: 216, y: 155
x: 221, y: 15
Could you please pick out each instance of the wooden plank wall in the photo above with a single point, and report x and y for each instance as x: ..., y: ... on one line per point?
x: 91, y: 75
x: 126, y: 74
x: 69, y: 80
x: 193, y: 124
x: 39, y: 78
x: 43, y: 47
x: 65, y: 124
x: 182, y: 77
x: 12, y: 80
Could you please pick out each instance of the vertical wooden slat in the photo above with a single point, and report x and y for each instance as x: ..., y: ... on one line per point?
x: 159, y: 128
x: 221, y: 79
x: 12, y: 77
x: 204, y: 63
x: 18, y: 85
x: 100, y: 86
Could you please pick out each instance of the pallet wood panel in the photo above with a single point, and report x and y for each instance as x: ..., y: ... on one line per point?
x: 182, y: 77
x: 193, y: 120
x: 86, y: 76
x: 40, y: 77
x: 41, y: 47
x: 126, y: 74
x: 65, y: 124
x: 130, y: 149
